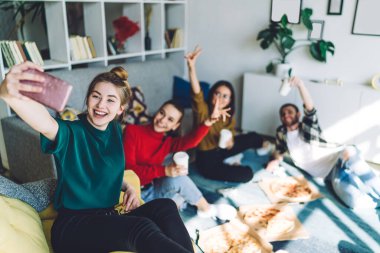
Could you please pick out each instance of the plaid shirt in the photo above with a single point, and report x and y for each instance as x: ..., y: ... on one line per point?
x: 310, y: 131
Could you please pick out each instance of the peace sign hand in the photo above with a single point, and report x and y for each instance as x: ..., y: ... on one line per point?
x: 217, y: 113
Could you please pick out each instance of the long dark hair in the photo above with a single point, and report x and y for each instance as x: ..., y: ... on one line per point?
x: 178, y: 106
x: 232, y: 99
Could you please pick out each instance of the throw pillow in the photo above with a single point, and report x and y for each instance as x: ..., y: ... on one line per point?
x: 68, y: 113
x: 137, y: 111
x: 37, y: 194
x: 181, y: 91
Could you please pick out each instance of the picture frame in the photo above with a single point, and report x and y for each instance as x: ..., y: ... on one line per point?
x: 317, y: 32
x: 366, y: 18
x: 292, y: 9
x: 335, y: 7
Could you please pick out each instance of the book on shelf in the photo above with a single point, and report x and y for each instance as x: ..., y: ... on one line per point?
x: 9, y: 62
x: 38, y: 54
x: 86, y: 47
x: 74, y: 51
x: 177, y: 41
x: 33, y: 52
x: 30, y: 51
x: 21, y: 50
x: 169, y: 35
x: 111, y: 47
x: 91, y: 45
x: 174, y: 38
x: 15, y: 52
x: 80, y: 48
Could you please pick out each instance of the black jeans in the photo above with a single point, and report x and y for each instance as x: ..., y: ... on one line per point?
x: 210, y: 163
x: 153, y: 227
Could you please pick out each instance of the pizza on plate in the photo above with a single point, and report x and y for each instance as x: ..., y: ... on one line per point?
x: 271, y: 219
x: 291, y: 189
x: 229, y: 238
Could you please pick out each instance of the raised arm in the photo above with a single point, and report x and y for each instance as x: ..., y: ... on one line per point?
x: 305, y: 95
x: 191, y: 59
x: 32, y: 112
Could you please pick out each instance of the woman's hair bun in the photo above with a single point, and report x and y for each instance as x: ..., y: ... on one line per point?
x: 120, y: 72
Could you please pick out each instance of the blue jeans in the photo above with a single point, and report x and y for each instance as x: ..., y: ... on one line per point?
x: 355, y: 183
x: 180, y: 189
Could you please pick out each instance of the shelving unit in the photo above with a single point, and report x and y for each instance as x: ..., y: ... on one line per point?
x: 97, y: 23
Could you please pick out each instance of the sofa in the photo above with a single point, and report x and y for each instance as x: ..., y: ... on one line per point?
x: 26, y: 161
x: 24, y: 230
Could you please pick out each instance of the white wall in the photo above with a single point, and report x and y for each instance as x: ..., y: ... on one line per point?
x: 227, y: 31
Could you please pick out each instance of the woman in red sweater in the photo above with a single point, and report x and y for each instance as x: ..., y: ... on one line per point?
x: 146, y: 146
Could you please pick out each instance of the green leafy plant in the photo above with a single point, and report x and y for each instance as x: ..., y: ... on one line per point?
x: 20, y: 10
x: 280, y: 35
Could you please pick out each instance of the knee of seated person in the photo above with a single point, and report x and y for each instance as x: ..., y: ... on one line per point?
x: 166, y: 203
x: 350, y: 153
x: 247, y: 175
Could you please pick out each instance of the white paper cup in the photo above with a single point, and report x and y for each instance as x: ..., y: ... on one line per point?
x: 285, y: 87
x: 225, y: 137
x: 181, y: 158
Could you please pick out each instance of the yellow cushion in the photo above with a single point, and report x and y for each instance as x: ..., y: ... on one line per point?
x: 20, y: 228
x: 20, y: 225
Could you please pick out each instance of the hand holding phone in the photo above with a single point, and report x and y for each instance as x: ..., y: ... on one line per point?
x: 55, y: 93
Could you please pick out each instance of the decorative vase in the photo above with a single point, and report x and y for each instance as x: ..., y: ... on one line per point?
x: 148, y: 42
x: 282, y: 69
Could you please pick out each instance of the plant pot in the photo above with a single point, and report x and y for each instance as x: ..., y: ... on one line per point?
x: 282, y: 69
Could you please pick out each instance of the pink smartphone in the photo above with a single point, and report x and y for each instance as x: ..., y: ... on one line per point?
x: 55, y: 92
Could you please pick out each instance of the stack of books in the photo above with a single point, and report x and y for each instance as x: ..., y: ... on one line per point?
x: 174, y: 38
x: 81, y: 48
x: 15, y: 52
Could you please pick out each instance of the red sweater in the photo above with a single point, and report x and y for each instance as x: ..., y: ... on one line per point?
x: 145, y: 149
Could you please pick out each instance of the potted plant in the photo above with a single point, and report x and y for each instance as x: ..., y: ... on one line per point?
x: 280, y: 35
x: 20, y: 10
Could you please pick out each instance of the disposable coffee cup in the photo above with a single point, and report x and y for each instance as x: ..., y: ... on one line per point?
x: 285, y: 87
x: 225, y: 137
x: 181, y: 158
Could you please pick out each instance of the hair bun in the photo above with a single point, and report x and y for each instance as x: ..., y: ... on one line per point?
x: 120, y: 72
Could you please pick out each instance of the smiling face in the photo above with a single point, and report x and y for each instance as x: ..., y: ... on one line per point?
x: 167, y: 119
x: 103, y: 104
x: 289, y: 117
x: 224, y: 95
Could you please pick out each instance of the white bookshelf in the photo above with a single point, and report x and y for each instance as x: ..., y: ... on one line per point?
x: 97, y: 21
x: 98, y: 16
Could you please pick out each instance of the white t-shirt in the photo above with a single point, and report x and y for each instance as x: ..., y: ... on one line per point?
x: 317, y: 161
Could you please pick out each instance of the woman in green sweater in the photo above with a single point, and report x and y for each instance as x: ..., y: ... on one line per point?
x: 90, y: 164
x: 210, y: 156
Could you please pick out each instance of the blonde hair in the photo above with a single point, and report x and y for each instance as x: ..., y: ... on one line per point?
x: 118, y: 76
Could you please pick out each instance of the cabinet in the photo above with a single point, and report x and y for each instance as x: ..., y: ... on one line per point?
x: 95, y: 20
